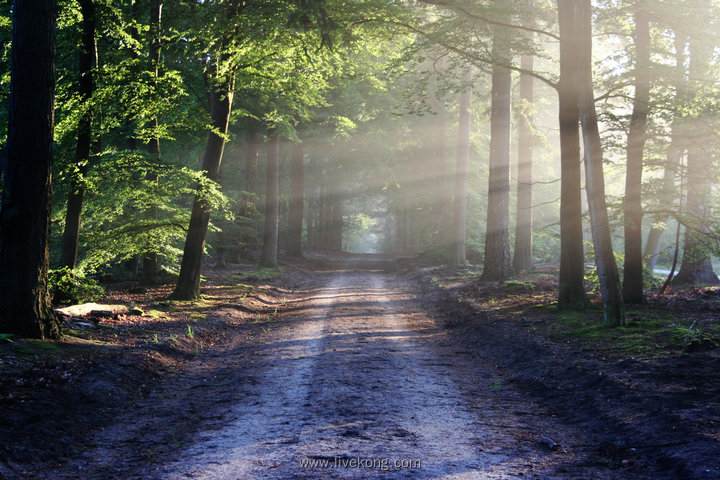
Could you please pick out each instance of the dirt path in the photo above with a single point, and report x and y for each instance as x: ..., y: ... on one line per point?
x: 352, y: 381
x: 356, y: 381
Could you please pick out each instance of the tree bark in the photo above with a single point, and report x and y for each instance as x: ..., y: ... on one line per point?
x: 632, y: 207
x: 297, y: 201
x: 523, y: 254
x: 188, y: 285
x: 86, y: 56
x: 461, y: 171
x: 26, y: 202
x: 498, y: 265
x: 572, y: 295
x: 613, y: 304
x: 272, y: 203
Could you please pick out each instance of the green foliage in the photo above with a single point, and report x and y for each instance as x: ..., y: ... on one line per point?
x: 71, y: 286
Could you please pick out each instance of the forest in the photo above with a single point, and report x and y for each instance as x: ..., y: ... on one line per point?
x: 241, y: 183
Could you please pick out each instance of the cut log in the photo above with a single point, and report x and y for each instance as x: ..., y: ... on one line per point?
x: 94, y: 309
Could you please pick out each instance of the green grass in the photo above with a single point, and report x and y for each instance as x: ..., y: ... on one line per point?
x: 513, y: 285
x: 644, y: 332
x: 260, y: 273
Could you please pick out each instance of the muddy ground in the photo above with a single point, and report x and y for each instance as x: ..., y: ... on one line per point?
x: 358, y: 367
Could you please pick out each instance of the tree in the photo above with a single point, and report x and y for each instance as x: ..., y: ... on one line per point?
x: 498, y: 265
x: 523, y: 253
x: 461, y: 170
x: 572, y: 294
x: 272, y: 202
x: 26, y: 207
x: 297, y: 200
x: 221, y: 95
x: 150, y: 265
x: 613, y: 304
x: 86, y: 61
x: 632, y: 207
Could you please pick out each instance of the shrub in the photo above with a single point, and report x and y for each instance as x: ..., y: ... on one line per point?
x: 69, y: 287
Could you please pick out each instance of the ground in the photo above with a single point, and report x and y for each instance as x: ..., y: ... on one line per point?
x: 362, y: 366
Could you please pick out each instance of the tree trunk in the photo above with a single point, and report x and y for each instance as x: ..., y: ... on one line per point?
x: 523, y: 254
x: 71, y: 234
x: 441, y: 180
x: 26, y: 202
x: 498, y: 265
x: 272, y: 203
x: 572, y: 294
x: 632, y: 207
x: 610, y: 287
x: 337, y: 223
x: 151, y: 267
x: 188, y: 285
x: 696, y: 267
x: 461, y: 171
x: 297, y: 200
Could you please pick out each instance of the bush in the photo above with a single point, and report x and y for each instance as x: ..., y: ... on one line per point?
x: 69, y: 287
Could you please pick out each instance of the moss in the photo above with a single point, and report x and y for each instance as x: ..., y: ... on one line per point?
x: 257, y: 273
x: 513, y: 285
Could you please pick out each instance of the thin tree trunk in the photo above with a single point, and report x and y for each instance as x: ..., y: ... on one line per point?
x: 272, y: 203
x: 297, y: 200
x: 498, y: 264
x: 188, y: 285
x: 610, y: 287
x: 461, y: 171
x: 151, y: 267
x: 523, y: 254
x: 71, y: 234
x: 26, y: 201
x: 633, y: 267
x: 572, y: 295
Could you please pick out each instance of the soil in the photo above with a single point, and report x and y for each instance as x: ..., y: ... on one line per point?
x: 357, y: 367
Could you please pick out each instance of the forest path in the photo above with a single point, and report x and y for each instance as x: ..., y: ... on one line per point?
x: 356, y: 381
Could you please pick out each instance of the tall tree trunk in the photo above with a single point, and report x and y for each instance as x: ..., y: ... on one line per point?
x: 25, y: 211
x: 461, y: 171
x: 297, y: 200
x: 523, y: 254
x: 696, y: 267
x: 613, y: 304
x: 71, y: 234
x: 188, y: 285
x: 151, y: 267
x: 633, y: 268
x: 444, y: 199
x: 272, y: 203
x: 572, y: 294
x: 498, y: 265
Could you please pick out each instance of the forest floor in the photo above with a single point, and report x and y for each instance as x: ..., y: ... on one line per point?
x: 359, y: 367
